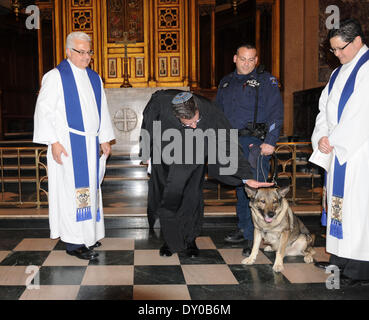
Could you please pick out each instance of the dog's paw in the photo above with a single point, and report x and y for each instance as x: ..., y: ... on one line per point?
x: 268, y: 249
x: 278, y: 268
x: 308, y: 259
x: 248, y: 261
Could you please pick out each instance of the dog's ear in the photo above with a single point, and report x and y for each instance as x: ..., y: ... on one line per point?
x: 283, y: 191
x: 251, y: 192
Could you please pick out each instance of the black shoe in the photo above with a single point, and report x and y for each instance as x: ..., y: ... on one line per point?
x: 246, y: 251
x: 325, y: 265
x: 96, y: 245
x: 83, y: 253
x: 235, y: 237
x: 346, y: 282
x: 164, y: 251
x: 192, y: 250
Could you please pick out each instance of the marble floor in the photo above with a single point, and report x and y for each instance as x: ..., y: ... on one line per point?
x: 34, y: 267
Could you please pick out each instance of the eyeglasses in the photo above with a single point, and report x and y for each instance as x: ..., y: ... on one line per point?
x: 189, y: 125
x: 82, y: 53
x: 339, y: 49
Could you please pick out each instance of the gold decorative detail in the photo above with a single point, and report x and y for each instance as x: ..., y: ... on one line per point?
x: 168, y: 41
x: 81, y: 3
x: 168, y: 1
x: 81, y: 20
x: 83, y: 198
x: 168, y: 18
x: 337, y: 204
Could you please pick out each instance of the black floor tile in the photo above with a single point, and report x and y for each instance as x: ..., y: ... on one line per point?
x: 113, y: 257
x: 149, y: 241
x: 217, y: 292
x: 60, y: 246
x: 9, y: 243
x: 158, y: 275
x: 61, y: 275
x: 258, y: 275
x: 25, y: 258
x: 205, y: 257
x: 105, y: 293
x: 11, y: 292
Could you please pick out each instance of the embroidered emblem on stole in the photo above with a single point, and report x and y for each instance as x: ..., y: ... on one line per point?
x: 336, y: 214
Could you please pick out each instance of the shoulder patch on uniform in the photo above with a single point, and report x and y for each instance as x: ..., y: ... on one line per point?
x: 274, y: 81
x: 225, y: 85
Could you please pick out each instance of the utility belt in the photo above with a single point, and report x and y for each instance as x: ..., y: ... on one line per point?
x: 258, y: 130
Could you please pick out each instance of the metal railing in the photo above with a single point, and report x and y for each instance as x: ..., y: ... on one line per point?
x: 25, y: 168
x: 289, y: 171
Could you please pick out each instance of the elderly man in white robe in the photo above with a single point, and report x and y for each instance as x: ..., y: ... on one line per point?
x: 72, y: 118
x: 341, y: 146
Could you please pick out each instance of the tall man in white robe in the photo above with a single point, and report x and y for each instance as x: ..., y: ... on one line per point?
x: 80, y: 231
x: 341, y: 138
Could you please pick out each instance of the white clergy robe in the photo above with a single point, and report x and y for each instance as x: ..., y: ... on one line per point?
x: 350, y: 139
x: 50, y: 125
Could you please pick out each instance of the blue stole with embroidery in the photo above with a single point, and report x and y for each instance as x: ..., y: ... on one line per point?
x: 78, y: 142
x: 340, y: 170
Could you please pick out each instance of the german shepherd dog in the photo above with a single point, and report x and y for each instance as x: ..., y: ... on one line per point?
x: 275, y: 223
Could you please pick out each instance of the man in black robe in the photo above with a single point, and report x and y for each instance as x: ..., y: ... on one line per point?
x: 178, y: 168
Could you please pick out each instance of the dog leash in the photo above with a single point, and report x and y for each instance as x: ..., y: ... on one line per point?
x: 274, y: 167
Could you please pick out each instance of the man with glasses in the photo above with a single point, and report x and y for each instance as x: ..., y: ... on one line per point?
x: 341, y: 145
x: 72, y: 118
x: 251, y: 101
x: 176, y: 180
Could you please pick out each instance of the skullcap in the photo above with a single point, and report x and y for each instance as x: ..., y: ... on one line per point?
x: 182, y: 97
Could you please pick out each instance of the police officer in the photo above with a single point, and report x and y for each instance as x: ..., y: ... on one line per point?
x: 251, y: 100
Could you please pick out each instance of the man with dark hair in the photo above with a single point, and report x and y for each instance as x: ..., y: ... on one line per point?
x: 251, y: 101
x: 177, y: 178
x: 341, y: 146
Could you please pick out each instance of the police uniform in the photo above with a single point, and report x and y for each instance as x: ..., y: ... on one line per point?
x: 236, y: 97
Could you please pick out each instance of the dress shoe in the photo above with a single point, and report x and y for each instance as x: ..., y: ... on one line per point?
x: 246, y: 251
x: 192, y: 250
x: 235, y: 237
x: 346, y: 282
x: 164, y: 251
x: 325, y: 265
x: 96, y: 245
x: 83, y: 253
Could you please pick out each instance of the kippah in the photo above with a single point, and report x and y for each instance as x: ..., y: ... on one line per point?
x: 182, y: 97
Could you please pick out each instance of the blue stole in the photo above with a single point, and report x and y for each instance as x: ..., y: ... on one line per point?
x: 340, y: 171
x: 78, y: 142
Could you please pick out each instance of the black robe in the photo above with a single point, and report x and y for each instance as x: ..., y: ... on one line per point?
x: 176, y: 190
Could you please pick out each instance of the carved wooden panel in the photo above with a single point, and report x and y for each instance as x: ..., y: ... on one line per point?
x: 82, y: 3
x: 125, y: 16
x: 169, y: 37
x: 82, y: 20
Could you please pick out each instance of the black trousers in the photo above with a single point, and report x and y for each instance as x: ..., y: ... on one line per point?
x: 354, y: 269
x: 175, y: 197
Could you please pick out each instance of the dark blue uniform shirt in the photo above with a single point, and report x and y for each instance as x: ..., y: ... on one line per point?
x: 236, y: 97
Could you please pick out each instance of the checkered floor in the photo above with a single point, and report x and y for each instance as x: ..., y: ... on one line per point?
x: 34, y: 267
